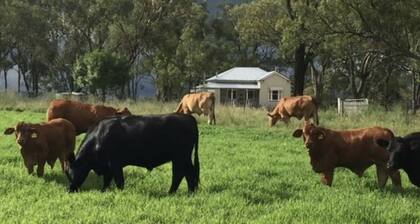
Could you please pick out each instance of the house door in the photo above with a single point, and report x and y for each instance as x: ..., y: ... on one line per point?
x: 252, y: 97
x: 241, y: 96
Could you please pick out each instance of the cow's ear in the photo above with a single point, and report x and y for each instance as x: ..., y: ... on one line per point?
x: 382, y: 142
x: 268, y: 114
x: 9, y: 131
x: 297, y: 133
x: 71, y: 158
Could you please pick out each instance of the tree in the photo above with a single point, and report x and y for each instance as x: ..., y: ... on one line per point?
x: 101, y: 71
x: 283, y: 25
x: 31, y: 47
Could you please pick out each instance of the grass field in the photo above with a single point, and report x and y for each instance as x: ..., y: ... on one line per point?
x: 249, y: 174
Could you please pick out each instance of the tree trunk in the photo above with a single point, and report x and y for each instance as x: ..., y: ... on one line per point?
x: 317, y: 82
x: 25, y: 81
x: 413, y: 91
x: 5, y: 79
x: 103, y: 95
x: 19, y: 74
x: 300, y: 69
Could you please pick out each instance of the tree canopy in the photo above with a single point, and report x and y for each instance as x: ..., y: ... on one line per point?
x: 335, y: 48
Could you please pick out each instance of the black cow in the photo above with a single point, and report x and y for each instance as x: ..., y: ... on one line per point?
x: 146, y: 141
x: 405, y: 154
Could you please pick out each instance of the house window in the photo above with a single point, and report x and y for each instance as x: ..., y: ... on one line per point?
x: 274, y: 94
x: 232, y: 94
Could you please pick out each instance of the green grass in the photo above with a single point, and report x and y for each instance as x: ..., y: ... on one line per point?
x: 249, y: 174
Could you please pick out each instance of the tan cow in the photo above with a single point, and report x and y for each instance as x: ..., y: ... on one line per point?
x: 82, y: 115
x: 355, y: 149
x: 294, y: 106
x: 44, y: 143
x: 199, y: 103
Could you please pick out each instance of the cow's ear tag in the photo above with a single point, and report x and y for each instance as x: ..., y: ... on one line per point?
x: 34, y: 135
x: 320, y: 136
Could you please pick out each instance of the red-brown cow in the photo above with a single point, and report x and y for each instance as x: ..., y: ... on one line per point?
x: 44, y: 143
x: 82, y: 115
x: 355, y: 149
x: 294, y: 106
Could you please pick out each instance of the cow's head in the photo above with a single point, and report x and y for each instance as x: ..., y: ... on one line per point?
x: 123, y: 112
x: 77, y: 171
x: 400, y: 150
x: 312, y: 135
x: 24, y: 133
x: 78, y: 168
x: 273, y: 118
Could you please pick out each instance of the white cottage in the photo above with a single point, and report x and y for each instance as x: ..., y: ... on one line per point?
x: 251, y: 86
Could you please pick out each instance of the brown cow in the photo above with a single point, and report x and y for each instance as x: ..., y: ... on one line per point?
x: 82, y: 115
x: 294, y: 106
x: 355, y: 149
x: 44, y: 143
x: 199, y: 103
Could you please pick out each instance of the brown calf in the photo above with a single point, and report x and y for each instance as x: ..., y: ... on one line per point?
x: 294, y: 106
x: 355, y: 149
x: 82, y: 115
x: 44, y: 143
x: 199, y: 103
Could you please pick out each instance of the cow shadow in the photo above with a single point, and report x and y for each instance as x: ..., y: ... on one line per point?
x: 92, y: 182
x: 58, y: 178
x: 407, y: 190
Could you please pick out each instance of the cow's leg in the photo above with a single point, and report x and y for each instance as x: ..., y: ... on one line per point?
x: 396, y: 179
x: 63, y: 163
x: 177, y: 175
x: 212, y: 118
x: 286, y: 120
x: 30, y: 169
x: 190, y: 175
x: 107, y: 180
x: 118, y: 175
x: 51, y: 163
x: 40, y: 168
x: 382, y: 175
x: 29, y: 165
x: 327, y: 177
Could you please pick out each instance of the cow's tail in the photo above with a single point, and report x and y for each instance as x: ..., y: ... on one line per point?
x: 315, y: 113
x: 196, y: 160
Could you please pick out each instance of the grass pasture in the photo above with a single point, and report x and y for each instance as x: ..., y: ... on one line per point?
x: 249, y: 174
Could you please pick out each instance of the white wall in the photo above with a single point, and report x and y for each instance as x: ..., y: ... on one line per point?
x: 274, y: 81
